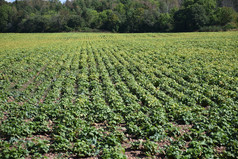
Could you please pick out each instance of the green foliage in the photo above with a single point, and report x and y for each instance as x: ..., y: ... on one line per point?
x: 5, y: 12
x: 75, y: 22
x: 191, y: 18
x: 203, y: 15
x: 109, y: 20
x: 38, y: 146
x: 113, y: 152
x: 224, y: 16
x: 171, y: 95
x: 211, y: 29
x: 114, y: 16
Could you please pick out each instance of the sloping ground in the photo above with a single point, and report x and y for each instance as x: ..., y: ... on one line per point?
x: 119, y: 95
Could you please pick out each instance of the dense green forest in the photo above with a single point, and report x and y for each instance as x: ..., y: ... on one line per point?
x: 118, y: 15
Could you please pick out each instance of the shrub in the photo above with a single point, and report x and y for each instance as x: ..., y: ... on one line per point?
x: 210, y: 29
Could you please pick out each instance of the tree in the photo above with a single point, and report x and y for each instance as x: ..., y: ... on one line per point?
x: 90, y: 16
x: 193, y: 15
x: 2, y: 2
x: 150, y: 19
x: 114, y: 15
x: 164, y: 22
x: 224, y: 16
x: 109, y: 20
x: 75, y: 22
x: 5, y: 11
x: 35, y: 24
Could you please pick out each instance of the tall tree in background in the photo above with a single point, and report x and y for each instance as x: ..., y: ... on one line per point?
x: 5, y: 12
x: 194, y: 14
x: 114, y: 15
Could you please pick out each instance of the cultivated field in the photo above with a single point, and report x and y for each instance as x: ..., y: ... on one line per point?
x: 119, y: 95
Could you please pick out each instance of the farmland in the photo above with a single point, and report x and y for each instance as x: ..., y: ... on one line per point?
x: 105, y: 95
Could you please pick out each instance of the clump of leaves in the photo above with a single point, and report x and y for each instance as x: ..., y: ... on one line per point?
x: 113, y: 152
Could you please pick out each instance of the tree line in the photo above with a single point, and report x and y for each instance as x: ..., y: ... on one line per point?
x: 116, y: 16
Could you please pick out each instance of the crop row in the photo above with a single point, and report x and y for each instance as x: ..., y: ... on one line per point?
x: 115, y: 96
